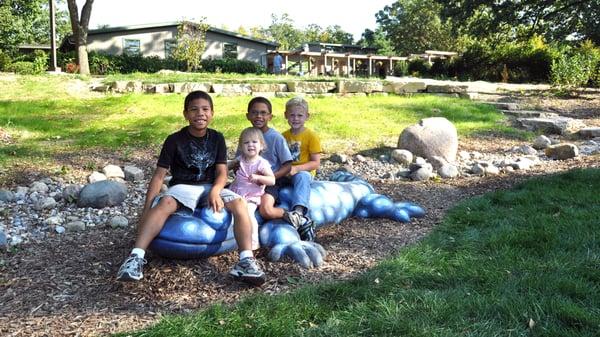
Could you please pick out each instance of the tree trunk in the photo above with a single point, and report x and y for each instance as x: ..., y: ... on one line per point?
x: 80, y: 29
x: 82, y: 59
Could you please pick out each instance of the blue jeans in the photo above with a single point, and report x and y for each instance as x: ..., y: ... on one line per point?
x: 301, y: 183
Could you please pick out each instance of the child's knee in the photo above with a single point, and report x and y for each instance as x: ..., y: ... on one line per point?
x: 236, y: 205
x: 166, y: 204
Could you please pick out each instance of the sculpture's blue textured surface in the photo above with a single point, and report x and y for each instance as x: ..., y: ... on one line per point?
x: 205, y: 233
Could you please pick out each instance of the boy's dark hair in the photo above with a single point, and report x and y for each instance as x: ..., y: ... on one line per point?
x: 195, y: 95
x: 259, y: 99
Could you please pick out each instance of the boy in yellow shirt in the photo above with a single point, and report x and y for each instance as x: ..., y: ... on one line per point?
x: 305, y: 147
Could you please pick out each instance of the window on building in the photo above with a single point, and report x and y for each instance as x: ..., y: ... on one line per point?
x: 131, y: 47
x: 170, y: 46
x: 230, y: 51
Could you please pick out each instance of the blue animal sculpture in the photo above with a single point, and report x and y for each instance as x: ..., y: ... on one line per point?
x: 203, y: 233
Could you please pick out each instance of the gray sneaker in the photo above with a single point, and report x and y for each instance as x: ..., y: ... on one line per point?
x: 303, y: 224
x: 131, y: 269
x: 294, y: 218
x: 248, y: 271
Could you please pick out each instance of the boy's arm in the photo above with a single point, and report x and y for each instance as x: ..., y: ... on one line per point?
x: 284, y: 170
x: 214, y: 196
x: 154, y: 187
x: 312, y: 164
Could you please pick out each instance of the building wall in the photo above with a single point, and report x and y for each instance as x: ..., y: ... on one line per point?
x: 152, y: 43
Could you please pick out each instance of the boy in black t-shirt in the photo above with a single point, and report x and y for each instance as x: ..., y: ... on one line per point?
x: 196, y: 156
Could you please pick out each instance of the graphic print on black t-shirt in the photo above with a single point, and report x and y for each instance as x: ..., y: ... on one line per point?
x: 198, y: 158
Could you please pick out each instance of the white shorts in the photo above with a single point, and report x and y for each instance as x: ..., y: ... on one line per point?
x: 192, y: 196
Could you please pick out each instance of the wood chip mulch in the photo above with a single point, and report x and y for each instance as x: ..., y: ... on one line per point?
x: 65, y: 285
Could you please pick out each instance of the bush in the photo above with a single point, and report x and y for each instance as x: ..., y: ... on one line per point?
x: 401, y: 68
x: 22, y: 68
x: 4, y: 61
x: 418, y: 67
x: 232, y: 66
x: 442, y: 68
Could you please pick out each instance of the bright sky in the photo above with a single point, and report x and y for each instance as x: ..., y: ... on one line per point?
x: 353, y: 17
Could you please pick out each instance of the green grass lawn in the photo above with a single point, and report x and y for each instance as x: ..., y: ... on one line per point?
x: 523, y: 262
x: 45, y: 122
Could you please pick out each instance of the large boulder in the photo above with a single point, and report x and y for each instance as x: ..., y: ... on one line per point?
x: 102, y: 194
x: 435, y: 136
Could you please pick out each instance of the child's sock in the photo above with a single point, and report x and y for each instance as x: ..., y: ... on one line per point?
x: 246, y: 253
x: 139, y: 252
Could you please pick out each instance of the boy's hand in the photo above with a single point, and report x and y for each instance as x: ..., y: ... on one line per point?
x: 293, y: 170
x: 214, y: 201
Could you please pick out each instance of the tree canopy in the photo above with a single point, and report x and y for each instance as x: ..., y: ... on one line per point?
x: 28, y: 22
x: 555, y: 20
x: 413, y: 26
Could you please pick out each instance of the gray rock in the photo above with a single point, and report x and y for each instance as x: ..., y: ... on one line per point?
x: 71, y: 193
x: 39, y: 187
x: 558, y: 125
x: 541, y: 142
x: 53, y: 221
x: 424, y: 173
x: 7, y: 195
x: 44, y: 203
x: 119, y: 221
x: 478, y: 169
x: 448, y: 170
x: 113, y: 171
x: 360, y: 158
x: 21, y: 192
x: 402, y: 156
x: 589, y: 132
x: 384, y: 158
x: 437, y: 162
x: 3, y: 240
x: 59, y: 229
x: 434, y: 136
x: 522, y: 164
x: 525, y: 149
x: 562, y: 151
x: 133, y: 173
x: 338, y: 158
x: 102, y: 194
x: 96, y: 177
x: 75, y: 226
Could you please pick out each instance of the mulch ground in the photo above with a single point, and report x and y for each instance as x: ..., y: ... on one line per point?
x: 65, y: 286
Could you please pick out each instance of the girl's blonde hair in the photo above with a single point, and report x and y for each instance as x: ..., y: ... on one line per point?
x: 252, y: 132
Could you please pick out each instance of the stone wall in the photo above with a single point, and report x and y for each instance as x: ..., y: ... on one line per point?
x: 339, y: 87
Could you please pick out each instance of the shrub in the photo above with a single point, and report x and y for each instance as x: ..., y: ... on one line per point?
x: 22, y: 68
x: 418, y: 67
x: 572, y: 71
x: 4, y: 61
x: 401, y: 68
x: 232, y: 66
x: 441, y: 68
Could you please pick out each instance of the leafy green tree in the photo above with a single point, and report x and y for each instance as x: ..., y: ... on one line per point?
x: 413, y: 26
x: 377, y: 39
x: 28, y: 22
x: 556, y: 20
x: 283, y: 31
x: 191, y: 42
